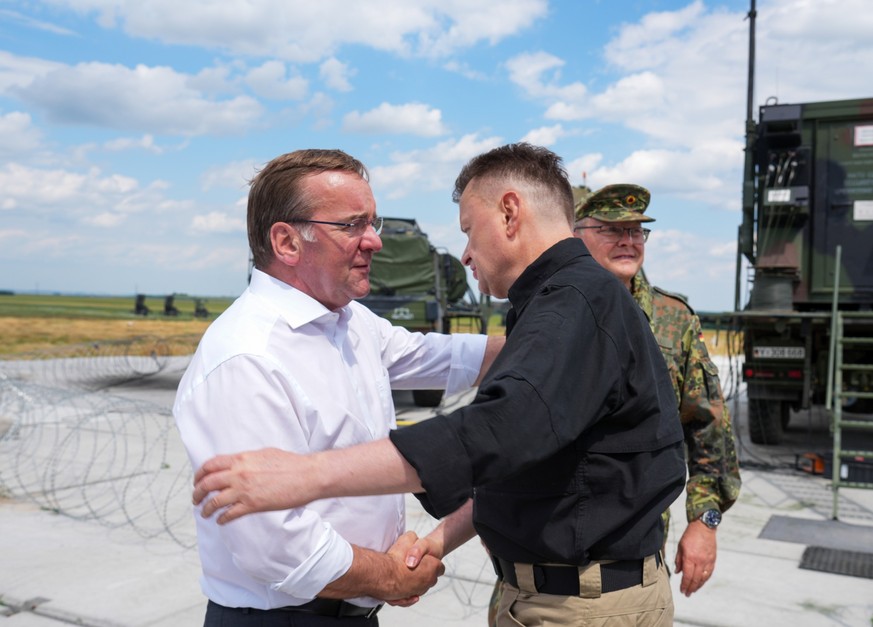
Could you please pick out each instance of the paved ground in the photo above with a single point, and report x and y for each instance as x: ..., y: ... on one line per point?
x: 122, y: 556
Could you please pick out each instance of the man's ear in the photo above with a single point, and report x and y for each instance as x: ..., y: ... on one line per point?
x: 510, y: 207
x: 287, y: 243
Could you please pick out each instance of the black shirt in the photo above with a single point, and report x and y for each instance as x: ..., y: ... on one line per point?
x: 572, y: 447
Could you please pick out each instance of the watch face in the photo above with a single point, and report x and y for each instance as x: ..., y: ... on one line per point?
x: 711, y: 518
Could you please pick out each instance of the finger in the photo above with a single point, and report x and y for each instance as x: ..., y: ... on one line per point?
x: 237, y: 510
x: 686, y: 586
x: 693, y: 581
x: 214, y: 504
x: 199, y: 493
x: 221, y: 499
x: 219, y: 462
x: 211, y: 482
x: 406, y: 540
x: 414, y: 555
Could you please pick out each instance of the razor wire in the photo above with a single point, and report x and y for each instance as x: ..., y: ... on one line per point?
x: 99, y: 364
x: 71, y: 447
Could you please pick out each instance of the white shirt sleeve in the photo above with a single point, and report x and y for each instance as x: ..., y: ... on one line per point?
x: 431, y: 360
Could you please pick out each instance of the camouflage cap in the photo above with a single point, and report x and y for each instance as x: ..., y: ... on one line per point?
x: 621, y: 202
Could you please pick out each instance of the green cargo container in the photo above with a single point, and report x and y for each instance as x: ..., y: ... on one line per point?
x: 415, y: 285
x: 808, y: 188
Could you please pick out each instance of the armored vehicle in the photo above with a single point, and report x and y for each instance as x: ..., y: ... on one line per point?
x: 807, y: 233
x: 418, y: 286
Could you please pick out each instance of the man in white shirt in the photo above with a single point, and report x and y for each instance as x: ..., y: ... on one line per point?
x: 296, y: 363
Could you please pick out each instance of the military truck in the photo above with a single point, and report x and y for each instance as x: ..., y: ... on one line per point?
x: 418, y: 286
x: 807, y: 194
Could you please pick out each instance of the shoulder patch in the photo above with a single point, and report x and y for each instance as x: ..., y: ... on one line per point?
x: 672, y: 295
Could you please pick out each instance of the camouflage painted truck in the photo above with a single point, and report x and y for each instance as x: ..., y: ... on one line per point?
x: 807, y: 202
x: 418, y: 286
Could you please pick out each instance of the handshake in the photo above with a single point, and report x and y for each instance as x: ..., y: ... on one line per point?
x: 413, y: 566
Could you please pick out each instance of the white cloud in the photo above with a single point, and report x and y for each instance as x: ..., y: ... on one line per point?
x: 89, y: 196
x: 698, y: 174
x: 658, y: 37
x: 538, y: 74
x: 336, y: 74
x: 430, y: 169
x: 271, y: 80
x: 235, y: 175
x: 580, y: 168
x: 629, y: 96
x: 217, y: 80
x: 43, y: 188
x: 153, y: 99
x: 17, y: 134
x: 14, y: 16
x: 304, y: 31
x: 106, y: 219
x: 474, y: 22
x: 218, y: 222
x: 12, y: 235
x: 544, y: 135
x: 413, y: 119
x: 678, y: 79
x: 691, y: 264
x: 146, y: 142
x: 464, y: 70
x: 17, y: 71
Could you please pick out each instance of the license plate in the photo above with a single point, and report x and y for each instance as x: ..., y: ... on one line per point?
x: 779, y: 352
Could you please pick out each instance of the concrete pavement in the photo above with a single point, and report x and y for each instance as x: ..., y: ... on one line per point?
x: 139, y: 569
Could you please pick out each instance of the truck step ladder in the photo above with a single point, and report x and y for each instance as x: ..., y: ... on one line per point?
x: 862, y: 350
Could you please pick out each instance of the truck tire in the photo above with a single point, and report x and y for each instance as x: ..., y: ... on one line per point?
x: 767, y: 420
x: 427, y: 398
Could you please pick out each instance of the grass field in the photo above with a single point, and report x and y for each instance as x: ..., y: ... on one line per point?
x: 105, y: 307
x: 46, y: 324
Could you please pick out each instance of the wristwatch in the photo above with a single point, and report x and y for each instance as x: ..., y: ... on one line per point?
x: 711, y: 518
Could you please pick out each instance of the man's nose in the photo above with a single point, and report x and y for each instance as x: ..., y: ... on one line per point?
x: 625, y: 235
x: 370, y: 240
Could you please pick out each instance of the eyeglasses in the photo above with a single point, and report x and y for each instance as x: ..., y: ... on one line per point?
x: 355, y: 229
x: 614, y: 234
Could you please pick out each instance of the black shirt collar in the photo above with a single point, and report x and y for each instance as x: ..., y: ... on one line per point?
x: 552, y: 260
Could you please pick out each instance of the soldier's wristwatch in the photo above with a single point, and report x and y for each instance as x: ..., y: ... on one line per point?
x: 711, y: 518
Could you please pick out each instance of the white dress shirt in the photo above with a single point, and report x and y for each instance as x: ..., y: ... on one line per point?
x: 278, y: 369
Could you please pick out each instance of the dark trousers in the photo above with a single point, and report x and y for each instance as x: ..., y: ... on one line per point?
x: 220, y: 616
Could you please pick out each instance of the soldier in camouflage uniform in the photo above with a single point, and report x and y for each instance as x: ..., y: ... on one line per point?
x: 610, y: 223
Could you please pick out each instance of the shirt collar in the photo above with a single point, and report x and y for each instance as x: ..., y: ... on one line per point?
x: 296, y: 307
x: 552, y: 260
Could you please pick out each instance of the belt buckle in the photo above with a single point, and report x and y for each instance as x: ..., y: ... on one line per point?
x: 373, y: 611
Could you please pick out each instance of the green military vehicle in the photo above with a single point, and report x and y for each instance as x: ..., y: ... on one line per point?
x: 807, y: 232
x: 418, y: 286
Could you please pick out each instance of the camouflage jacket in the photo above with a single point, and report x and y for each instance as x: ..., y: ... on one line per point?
x: 713, y: 471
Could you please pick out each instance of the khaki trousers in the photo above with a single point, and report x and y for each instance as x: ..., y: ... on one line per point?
x: 646, y: 605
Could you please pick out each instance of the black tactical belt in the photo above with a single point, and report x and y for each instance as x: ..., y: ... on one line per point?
x: 564, y: 580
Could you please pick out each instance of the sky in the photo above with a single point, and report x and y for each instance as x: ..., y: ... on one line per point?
x: 129, y: 129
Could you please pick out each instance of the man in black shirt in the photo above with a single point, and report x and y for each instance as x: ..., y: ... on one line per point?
x: 572, y: 447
